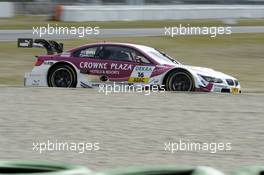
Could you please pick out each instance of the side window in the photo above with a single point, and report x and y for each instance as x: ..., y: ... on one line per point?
x: 141, y: 58
x: 90, y: 52
x: 117, y: 53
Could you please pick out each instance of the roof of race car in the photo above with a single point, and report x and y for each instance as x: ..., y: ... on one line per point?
x: 140, y: 47
x: 146, y: 49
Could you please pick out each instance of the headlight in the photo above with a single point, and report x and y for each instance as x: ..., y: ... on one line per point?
x: 211, y: 79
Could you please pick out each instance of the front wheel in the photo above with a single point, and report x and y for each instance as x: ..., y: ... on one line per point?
x: 62, y: 76
x: 180, y: 81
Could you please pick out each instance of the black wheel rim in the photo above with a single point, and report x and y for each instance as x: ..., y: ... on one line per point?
x: 181, y: 82
x: 61, y: 78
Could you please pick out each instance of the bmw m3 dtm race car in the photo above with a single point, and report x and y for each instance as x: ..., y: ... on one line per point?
x: 107, y: 62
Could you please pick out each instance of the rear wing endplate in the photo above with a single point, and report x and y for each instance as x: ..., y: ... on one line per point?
x: 51, y: 46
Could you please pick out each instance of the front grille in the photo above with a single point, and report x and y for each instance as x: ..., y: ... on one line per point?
x: 230, y: 82
x: 225, y: 90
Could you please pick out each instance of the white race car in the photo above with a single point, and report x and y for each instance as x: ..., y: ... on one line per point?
x: 104, y: 63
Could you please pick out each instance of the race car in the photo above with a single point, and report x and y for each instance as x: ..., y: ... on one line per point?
x: 107, y: 62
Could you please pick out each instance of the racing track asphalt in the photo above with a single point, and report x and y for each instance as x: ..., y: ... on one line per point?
x: 12, y: 35
x: 131, y: 128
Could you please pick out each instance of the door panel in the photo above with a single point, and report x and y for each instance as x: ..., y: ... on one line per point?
x: 113, y: 63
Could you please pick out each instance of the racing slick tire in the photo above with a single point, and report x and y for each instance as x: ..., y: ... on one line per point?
x: 62, y: 75
x: 179, y: 80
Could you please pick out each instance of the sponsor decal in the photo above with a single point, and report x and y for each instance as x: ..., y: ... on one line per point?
x: 96, y: 71
x: 121, y: 66
x: 112, y: 72
x: 105, y: 66
x: 48, y: 63
x: 141, y: 74
x: 87, y: 53
x: 107, y: 72
x: 25, y: 42
x: 234, y: 90
x: 138, y: 80
x: 93, y: 65
x: 35, y: 82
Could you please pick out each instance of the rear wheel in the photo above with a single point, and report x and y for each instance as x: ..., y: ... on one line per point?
x: 180, y: 81
x: 62, y: 76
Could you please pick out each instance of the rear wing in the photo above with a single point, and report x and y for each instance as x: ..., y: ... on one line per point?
x: 51, y: 46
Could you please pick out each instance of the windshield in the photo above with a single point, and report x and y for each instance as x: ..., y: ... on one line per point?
x: 162, y: 58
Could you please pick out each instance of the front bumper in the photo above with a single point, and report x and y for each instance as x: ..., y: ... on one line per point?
x: 220, y: 88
